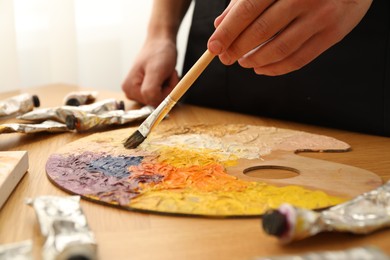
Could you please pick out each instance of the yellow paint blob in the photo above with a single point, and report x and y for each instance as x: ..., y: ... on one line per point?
x: 255, y: 200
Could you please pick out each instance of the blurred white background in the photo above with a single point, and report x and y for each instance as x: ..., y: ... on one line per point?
x: 89, y: 43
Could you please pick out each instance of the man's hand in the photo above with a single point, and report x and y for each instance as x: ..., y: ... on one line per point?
x: 275, y: 37
x: 153, y: 75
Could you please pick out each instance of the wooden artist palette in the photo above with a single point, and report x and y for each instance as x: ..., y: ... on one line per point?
x: 208, y: 170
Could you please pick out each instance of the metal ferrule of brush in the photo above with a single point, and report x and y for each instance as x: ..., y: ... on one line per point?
x: 157, y: 115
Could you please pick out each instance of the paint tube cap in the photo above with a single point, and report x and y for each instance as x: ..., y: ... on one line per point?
x: 79, y: 252
x: 71, y: 122
x: 275, y: 223
x: 36, y: 101
x: 121, y: 105
x: 73, y: 102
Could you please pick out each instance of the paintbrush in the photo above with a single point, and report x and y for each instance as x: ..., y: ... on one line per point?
x: 166, y: 105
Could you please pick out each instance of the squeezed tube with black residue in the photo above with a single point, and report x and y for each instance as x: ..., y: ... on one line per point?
x: 364, y: 214
x: 60, y: 113
x: 19, y: 104
x: 65, y: 228
x: 48, y: 126
x: 86, y: 121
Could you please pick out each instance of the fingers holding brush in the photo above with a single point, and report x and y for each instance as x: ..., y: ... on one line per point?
x: 277, y: 37
x: 240, y: 28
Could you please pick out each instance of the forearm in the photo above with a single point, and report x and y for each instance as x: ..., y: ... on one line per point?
x: 166, y: 18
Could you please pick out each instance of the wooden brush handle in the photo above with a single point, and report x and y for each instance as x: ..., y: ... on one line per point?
x: 189, y: 78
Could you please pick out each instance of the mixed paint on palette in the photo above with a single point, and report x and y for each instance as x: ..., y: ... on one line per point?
x: 184, y: 170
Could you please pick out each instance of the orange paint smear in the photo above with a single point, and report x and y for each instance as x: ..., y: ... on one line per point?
x: 209, y: 177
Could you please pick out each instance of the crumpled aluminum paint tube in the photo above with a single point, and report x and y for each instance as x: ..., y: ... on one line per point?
x: 64, y: 226
x: 19, y: 104
x: 17, y: 251
x: 85, y: 121
x: 46, y: 126
x: 60, y: 113
x: 77, y: 98
x: 358, y: 253
x: 362, y: 215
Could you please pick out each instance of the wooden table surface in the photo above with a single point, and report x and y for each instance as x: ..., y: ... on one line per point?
x: 128, y: 235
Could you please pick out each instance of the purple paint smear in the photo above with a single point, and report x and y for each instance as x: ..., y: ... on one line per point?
x: 73, y: 173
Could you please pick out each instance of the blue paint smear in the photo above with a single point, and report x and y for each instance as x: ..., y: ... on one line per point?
x: 114, y: 166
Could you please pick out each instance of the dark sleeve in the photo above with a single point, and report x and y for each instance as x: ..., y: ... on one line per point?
x: 346, y: 87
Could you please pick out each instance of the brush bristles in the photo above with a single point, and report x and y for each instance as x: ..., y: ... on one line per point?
x: 134, y: 140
